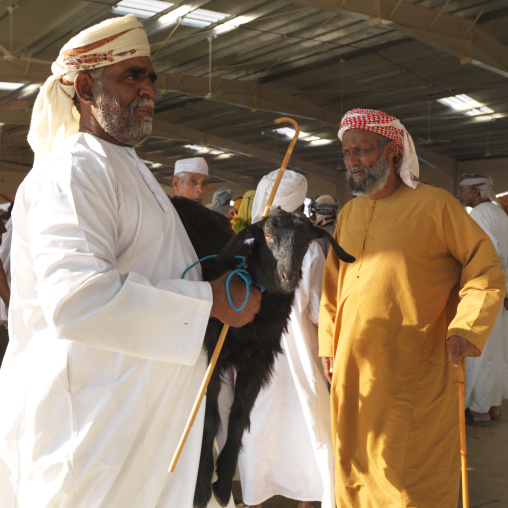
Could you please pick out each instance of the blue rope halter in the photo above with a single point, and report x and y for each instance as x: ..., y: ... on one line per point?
x: 241, y: 272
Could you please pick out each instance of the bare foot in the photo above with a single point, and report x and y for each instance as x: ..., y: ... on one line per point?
x: 480, y: 417
x: 495, y: 413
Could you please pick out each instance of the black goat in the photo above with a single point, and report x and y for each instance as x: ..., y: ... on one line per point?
x: 274, y: 249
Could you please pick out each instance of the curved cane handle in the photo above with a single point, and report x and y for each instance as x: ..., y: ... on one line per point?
x: 284, y: 162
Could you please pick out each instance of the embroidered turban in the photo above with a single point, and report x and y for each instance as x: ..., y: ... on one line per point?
x: 406, y: 161
x: 483, y: 183
x: 290, y: 194
x: 54, y: 116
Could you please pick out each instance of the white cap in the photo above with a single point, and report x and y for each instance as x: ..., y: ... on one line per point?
x: 289, y: 196
x: 194, y: 165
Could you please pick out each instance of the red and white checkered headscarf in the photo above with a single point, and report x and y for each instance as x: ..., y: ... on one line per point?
x: 54, y: 116
x: 406, y: 161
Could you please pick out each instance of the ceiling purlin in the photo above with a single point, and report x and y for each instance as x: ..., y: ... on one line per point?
x: 74, y: 18
x: 249, y: 94
x: 169, y: 130
x: 458, y: 36
x: 172, y: 48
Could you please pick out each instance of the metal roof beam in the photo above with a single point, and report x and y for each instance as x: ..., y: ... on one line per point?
x: 457, y: 36
x: 441, y: 163
x: 173, y: 131
x: 249, y: 94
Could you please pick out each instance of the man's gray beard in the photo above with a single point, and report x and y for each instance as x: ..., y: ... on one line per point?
x: 119, y: 124
x: 375, y: 178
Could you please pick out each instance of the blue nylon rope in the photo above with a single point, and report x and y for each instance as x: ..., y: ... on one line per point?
x: 244, y: 274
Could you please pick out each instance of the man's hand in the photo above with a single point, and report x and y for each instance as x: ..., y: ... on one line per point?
x: 458, y: 347
x: 221, y: 308
x: 327, y: 367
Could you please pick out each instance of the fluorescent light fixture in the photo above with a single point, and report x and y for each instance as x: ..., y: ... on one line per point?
x: 288, y: 132
x: 461, y: 102
x: 156, y: 165
x: 479, y: 111
x: 319, y: 142
x: 197, y: 148
x: 173, y: 16
x: 223, y: 155
x: 201, y: 18
x: 467, y: 106
x: 232, y: 24
x: 6, y: 85
x: 141, y: 8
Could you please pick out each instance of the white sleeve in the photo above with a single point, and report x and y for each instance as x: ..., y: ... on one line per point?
x: 71, y: 225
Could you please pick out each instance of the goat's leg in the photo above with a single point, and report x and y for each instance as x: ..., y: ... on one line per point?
x: 203, y: 491
x: 246, y: 391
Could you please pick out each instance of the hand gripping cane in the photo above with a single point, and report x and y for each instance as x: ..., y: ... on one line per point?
x: 225, y: 328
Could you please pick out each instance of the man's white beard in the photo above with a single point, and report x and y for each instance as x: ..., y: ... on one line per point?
x: 120, y: 124
x: 375, y: 178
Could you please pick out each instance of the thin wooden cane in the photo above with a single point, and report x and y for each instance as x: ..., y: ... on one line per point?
x: 225, y: 328
x: 462, y: 427
x: 284, y: 162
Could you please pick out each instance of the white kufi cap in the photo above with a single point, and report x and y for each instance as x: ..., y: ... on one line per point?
x: 194, y: 165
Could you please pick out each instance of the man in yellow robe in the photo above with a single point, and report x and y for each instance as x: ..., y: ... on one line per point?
x: 424, y: 291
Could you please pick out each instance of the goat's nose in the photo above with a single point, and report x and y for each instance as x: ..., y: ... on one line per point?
x: 284, y: 276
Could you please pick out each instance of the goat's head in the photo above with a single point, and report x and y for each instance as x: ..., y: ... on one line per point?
x: 286, y: 239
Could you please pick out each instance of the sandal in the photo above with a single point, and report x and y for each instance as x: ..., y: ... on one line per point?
x: 478, y: 423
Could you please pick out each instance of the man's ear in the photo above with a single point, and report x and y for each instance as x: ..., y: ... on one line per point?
x: 85, y: 88
x: 390, y: 150
x: 176, y: 183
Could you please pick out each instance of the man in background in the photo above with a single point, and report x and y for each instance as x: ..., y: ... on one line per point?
x: 323, y: 211
x: 105, y: 355
x: 191, y: 179
x: 487, y: 376
x: 388, y: 321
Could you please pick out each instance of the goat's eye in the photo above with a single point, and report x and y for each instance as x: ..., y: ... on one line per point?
x: 268, y: 236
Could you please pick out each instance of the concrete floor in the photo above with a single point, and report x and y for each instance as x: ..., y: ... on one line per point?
x: 487, y: 450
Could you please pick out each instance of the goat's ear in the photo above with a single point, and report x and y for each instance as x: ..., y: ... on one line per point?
x: 341, y: 253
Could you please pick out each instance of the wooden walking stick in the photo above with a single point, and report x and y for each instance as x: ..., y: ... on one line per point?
x: 462, y: 427
x: 225, y: 328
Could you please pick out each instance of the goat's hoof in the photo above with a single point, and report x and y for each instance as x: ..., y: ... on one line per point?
x: 202, y: 496
x: 222, y: 492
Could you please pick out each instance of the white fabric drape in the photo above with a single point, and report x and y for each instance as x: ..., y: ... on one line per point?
x: 487, y: 376
x: 288, y: 450
x: 105, y: 357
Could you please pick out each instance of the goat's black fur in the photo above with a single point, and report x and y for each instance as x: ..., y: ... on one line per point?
x: 274, y: 249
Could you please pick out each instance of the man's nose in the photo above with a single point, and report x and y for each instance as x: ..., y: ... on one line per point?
x: 353, y: 159
x: 148, y: 89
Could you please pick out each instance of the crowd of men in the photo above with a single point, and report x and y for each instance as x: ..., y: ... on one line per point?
x: 105, y: 355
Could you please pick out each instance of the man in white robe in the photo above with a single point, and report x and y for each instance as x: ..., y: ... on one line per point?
x: 190, y: 179
x: 487, y: 376
x: 288, y: 450
x: 105, y: 357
